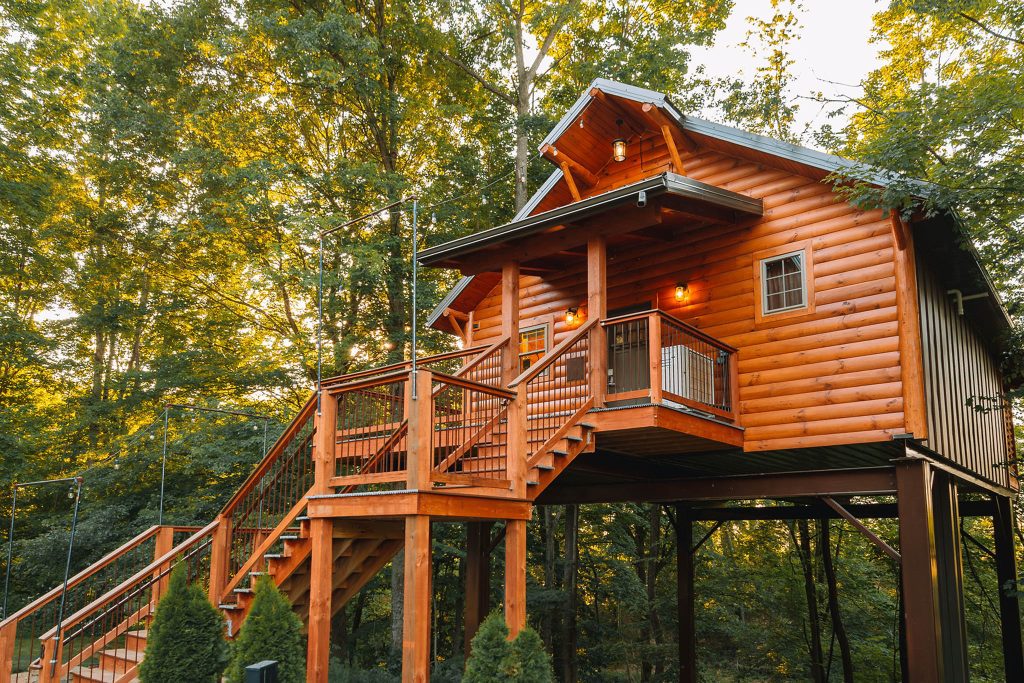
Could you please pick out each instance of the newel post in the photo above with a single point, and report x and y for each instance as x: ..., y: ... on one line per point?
x: 321, y: 536
x: 326, y: 427
x: 220, y: 551
x: 518, y: 445
x: 419, y: 412
x: 597, y: 309
x: 654, y: 355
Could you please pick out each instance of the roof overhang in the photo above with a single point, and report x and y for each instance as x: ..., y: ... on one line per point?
x: 677, y: 193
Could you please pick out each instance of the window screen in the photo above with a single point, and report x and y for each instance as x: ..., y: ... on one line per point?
x: 783, y: 284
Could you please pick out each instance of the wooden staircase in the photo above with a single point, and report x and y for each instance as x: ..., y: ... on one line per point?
x: 471, y: 436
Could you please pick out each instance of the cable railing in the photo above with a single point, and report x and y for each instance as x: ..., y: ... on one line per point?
x: 113, y: 625
x: 20, y: 648
x: 655, y: 357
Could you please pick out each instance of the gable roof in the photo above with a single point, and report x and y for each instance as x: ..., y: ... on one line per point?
x: 778, y: 153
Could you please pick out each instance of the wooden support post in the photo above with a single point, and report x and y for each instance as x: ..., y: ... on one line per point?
x: 321, y: 570
x: 919, y: 573
x: 597, y: 309
x: 164, y: 543
x: 654, y: 354
x: 510, y: 320
x: 419, y: 412
x: 325, y: 442
x: 220, y: 556
x: 417, y: 596
x: 911, y: 356
x: 685, y: 595
x: 8, y: 639
x: 949, y: 564
x: 570, y: 181
x: 670, y: 142
x: 518, y: 442
x: 1009, y: 604
x: 515, y: 575
x: 478, y: 579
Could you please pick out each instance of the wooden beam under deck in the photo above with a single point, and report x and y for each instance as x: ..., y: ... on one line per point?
x: 404, y: 503
x: 859, y: 482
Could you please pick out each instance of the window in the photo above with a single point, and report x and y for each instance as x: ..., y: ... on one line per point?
x: 783, y: 286
x: 533, y: 344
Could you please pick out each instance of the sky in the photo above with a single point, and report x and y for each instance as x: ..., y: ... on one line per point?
x: 824, y: 55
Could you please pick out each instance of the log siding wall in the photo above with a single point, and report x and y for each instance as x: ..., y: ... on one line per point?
x: 958, y: 367
x: 827, y: 377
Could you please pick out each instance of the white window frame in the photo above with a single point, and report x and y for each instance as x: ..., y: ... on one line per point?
x: 765, y: 309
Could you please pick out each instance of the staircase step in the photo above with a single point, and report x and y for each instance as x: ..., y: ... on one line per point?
x: 93, y: 673
x: 544, y: 468
x: 587, y: 425
x: 559, y: 451
x: 229, y: 606
x: 290, y: 537
x: 120, y: 659
x: 573, y: 438
x: 532, y: 482
x: 272, y: 556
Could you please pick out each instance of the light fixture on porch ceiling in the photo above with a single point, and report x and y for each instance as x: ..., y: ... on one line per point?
x: 681, y: 290
x: 571, y: 316
x: 619, y: 144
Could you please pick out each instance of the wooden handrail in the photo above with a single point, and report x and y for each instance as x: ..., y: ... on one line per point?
x: 271, y: 455
x: 81, y: 576
x: 690, y: 329
x: 142, y: 574
x: 331, y: 382
x: 552, y: 355
x: 452, y: 380
x: 269, y: 541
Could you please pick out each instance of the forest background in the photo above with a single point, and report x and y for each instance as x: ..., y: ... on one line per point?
x: 166, y: 167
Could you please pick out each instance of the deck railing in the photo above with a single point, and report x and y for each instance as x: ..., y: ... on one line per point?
x: 655, y: 357
x: 469, y: 437
x: 113, y: 620
x: 20, y: 647
x: 557, y: 387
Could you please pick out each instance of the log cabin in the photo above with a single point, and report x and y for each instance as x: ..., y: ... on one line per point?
x: 682, y: 313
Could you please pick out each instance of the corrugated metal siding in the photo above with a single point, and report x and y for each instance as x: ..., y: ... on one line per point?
x: 959, y: 368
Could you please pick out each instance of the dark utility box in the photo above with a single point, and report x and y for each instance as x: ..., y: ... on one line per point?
x: 261, y: 672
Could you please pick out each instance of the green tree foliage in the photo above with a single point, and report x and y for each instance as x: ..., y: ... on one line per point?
x: 528, y: 661
x: 491, y: 652
x: 495, y: 658
x: 186, y: 639
x: 271, y: 631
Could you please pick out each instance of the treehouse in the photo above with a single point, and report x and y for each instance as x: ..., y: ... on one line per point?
x: 683, y: 313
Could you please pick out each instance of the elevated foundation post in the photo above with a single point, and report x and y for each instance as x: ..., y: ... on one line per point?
x: 1009, y: 604
x: 418, y: 593
x: 685, y: 596
x: 321, y: 566
x: 515, y: 576
x: 919, y: 571
x: 478, y: 579
x: 949, y: 563
x: 597, y: 309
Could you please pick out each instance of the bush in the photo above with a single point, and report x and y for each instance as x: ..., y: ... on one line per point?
x: 186, y: 638
x: 490, y: 652
x: 271, y: 631
x: 494, y: 658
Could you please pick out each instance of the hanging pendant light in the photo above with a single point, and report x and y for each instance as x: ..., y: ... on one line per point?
x: 619, y: 144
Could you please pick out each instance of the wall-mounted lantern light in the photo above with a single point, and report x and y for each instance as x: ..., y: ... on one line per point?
x: 619, y: 144
x: 681, y: 291
x: 572, y: 315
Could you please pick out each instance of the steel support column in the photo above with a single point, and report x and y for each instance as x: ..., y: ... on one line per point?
x: 685, y: 596
x: 949, y: 563
x: 478, y: 578
x: 1009, y: 605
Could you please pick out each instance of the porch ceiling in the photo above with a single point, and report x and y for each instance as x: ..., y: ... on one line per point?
x: 543, y: 241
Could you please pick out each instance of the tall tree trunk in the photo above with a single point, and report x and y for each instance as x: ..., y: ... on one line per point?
x: 397, y: 606
x: 653, y: 553
x: 547, y: 626
x: 568, y: 644
x: 838, y: 627
x: 814, y: 646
